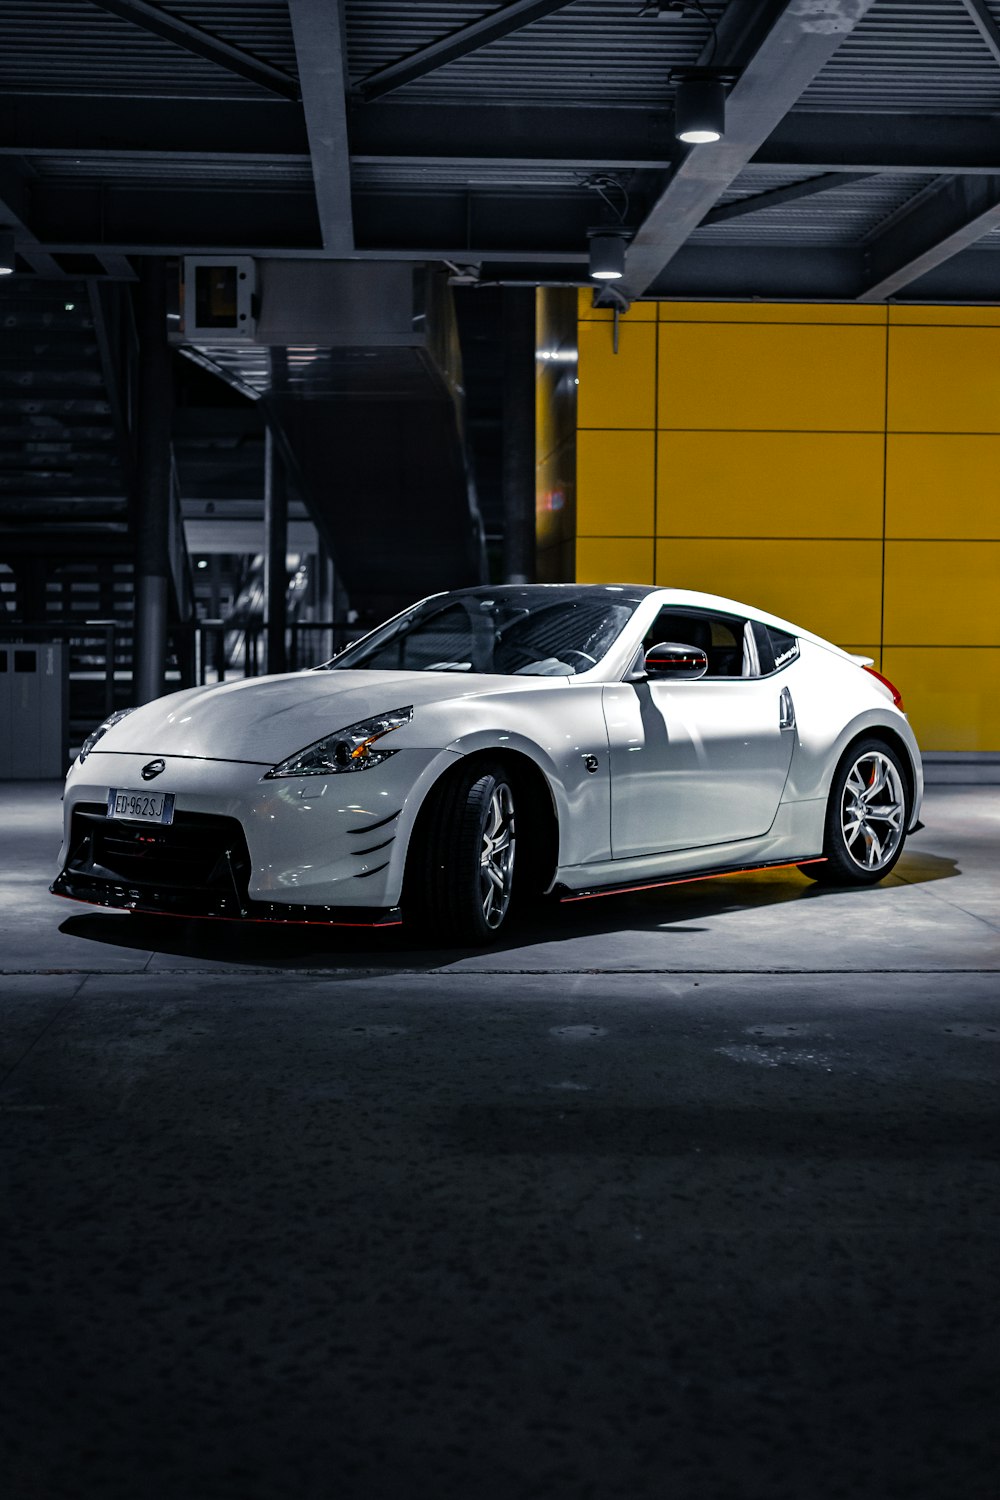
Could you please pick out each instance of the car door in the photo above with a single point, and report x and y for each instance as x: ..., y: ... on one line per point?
x: 697, y: 763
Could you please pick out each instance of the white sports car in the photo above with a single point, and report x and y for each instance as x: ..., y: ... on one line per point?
x: 492, y: 744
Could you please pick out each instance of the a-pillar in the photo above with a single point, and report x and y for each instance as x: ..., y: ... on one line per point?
x: 152, y: 499
x: 518, y: 434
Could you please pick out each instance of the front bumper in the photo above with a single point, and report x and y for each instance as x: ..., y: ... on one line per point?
x: 304, y: 849
x: 199, y: 866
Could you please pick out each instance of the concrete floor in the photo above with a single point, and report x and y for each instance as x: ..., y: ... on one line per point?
x: 689, y: 1195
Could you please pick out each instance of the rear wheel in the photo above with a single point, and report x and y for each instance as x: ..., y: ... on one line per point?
x: 461, y: 874
x: 866, y: 817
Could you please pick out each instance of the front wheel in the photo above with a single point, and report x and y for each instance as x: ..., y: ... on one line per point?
x: 866, y: 817
x: 461, y: 878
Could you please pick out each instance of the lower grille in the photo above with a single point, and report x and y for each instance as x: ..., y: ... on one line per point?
x: 196, y: 852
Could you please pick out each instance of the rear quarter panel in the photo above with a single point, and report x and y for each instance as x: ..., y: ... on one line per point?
x: 837, y: 702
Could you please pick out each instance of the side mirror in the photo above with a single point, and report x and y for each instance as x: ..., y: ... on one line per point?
x: 679, y: 663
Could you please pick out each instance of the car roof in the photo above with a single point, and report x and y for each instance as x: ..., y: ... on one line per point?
x: 681, y: 598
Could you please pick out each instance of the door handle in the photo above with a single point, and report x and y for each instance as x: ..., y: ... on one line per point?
x: 786, y: 710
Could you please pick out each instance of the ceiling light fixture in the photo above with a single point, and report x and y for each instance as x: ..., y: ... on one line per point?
x: 700, y: 110
x: 607, y: 255
x: 7, y: 256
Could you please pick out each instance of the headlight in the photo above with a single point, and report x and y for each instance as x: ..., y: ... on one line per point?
x: 350, y: 749
x: 102, y: 729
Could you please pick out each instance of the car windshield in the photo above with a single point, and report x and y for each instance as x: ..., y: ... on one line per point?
x: 510, y: 631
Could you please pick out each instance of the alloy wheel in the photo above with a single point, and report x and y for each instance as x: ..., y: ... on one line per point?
x: 872, y: 810
x: 496, y: 860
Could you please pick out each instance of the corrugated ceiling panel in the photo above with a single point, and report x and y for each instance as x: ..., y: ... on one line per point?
x: 128, y: 171
x: 753, y: 181
x: 71, y: 46
x: 592, y: 51
x: 842, y: 215
x: 924, y: 56
x: 405, y: 175
x: 260, y: 27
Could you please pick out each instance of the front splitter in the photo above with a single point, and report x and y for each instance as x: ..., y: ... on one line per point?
x: 164, y: 901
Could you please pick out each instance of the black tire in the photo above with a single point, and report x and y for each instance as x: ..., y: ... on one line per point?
x: 866, y: 816
x: 461, y: 869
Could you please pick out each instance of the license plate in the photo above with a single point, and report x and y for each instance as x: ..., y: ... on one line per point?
x: 142, y: 807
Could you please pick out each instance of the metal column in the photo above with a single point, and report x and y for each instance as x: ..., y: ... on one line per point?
x: 275, y: 554
x: 519, y: 435
x: 152, y: 500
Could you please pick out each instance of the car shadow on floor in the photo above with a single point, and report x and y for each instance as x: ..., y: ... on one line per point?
x: 675, y: 910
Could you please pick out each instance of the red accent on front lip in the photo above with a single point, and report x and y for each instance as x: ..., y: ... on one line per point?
x: 656, y: 885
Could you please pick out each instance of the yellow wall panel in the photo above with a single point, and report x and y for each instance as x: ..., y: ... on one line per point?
x: 830, y: 588
x: 943, y: 485
x: 617, y: 390
x: 771, y: 312
x: 944, y: 380
x: 942, y: 593
x: 809, y: 484
x: 950, y: 696
x: 968, y: 317
x: 799, y: 447
x: 615, y: 497
x: 772, y: 376
x: 614, y: 559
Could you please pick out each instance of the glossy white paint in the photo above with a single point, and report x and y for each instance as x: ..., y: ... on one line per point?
x: 689, y: 775
x: 694, y: 763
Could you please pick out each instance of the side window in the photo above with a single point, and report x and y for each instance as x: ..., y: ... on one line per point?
x: 784, y: 647
x: 721, y: 637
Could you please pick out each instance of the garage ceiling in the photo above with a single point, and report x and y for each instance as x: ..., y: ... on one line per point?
x: 861, y: 158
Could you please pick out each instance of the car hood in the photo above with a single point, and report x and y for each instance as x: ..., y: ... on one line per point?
x: 263, y: 720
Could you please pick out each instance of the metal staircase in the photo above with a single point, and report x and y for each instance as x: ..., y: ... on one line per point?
x: 68, y: 361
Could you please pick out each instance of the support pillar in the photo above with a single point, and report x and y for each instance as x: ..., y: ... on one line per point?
x: 275, y: 555
x: 324, y: 599
x: 152, y: 499
x: 519, y: 435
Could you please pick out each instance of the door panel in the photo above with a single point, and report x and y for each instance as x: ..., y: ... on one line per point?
x: 694, y: 763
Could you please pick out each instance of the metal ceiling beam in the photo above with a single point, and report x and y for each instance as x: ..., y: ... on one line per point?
x: 203, y: 44
x: 269, y: 130
x: 782, y: 273
x: 566, y: 134
x: 174, y: 220
x: 817, y: 141
x: 511, y: 17
x: 76, y: 124
x: 794, y: 193
x: 985, y: 25
x: 318, y: 29
x: 938, y: 224
x: 805, y: 142
x: 453, y: 224
x: 774, y: 273
x: 786, y: 46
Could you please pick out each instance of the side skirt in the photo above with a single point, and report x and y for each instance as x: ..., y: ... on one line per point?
x: 591, y: 893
